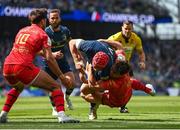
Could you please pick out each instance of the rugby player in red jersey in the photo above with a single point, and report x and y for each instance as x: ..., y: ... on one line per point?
x: 20, y: 71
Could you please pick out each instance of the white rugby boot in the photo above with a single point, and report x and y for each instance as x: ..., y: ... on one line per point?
x: 63, y: 118
x: 153, y: 91
x: 93, y: 112
x: 3, y: 117
x: 54, y: 112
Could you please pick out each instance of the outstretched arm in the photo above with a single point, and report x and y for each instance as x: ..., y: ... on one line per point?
x: 78, y: 60
x: 77, y: 57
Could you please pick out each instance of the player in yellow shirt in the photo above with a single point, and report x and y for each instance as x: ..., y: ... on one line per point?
x: 131, y: 42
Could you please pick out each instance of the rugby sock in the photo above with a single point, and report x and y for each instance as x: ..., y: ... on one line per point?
x: 58, y: 99
x: 69, y: 91
x: 11, y: 98
x: 137, y: 85
x: 51, y: 100
x: 92, y: 105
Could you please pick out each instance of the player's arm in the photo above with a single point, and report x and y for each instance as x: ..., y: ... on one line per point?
x: 52, y: 62
x: 91, y: 79
x: 77, y: 57
x: 54, y: 66
x: 141, y: 54
x: 78, y: 60
x: 101, y: 85
x: 40, y: 53
x: 114, y: 44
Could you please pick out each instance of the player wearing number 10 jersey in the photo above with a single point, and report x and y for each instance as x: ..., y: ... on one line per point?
x: 20, y: 71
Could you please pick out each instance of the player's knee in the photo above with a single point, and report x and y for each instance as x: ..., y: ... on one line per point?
x: 82, y: 95
x: 71, y: 84
x: 19, y: 87
x: 54, y: 86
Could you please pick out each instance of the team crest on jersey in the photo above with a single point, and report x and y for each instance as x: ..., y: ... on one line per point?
x: 64, y: 38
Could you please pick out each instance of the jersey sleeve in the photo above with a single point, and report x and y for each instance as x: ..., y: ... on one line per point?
x: 46, y: 41
x: 114, y: 37
x: 68, y: 33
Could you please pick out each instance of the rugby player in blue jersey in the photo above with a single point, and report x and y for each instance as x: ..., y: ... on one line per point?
x: 93, y: 51
x: 60, y: 36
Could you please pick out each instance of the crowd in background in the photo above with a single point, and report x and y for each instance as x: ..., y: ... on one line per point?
x: 163, y: 64
x: 163, y: 57
x: 115, y: 6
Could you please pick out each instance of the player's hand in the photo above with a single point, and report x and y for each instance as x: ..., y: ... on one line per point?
x: 65, y: 81
x: 142, y: 65
x: 58, y: 54
x: 82, y: 77
x: 91, y: 81
x: 80, y: 66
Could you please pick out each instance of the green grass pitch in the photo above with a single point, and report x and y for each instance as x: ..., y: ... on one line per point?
x: 145, y: 112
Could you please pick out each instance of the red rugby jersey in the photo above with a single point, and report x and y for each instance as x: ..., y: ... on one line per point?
x: 120, y: 90
x: 28, y: 42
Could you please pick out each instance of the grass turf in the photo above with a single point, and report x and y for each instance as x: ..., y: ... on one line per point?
x: 145, y: 112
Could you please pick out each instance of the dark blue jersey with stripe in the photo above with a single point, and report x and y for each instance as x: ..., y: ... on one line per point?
x: 90, y: 48
x: 59, y: 41
x: 59, y: 38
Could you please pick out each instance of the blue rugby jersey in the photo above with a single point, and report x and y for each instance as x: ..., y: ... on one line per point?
x: 90, y: 48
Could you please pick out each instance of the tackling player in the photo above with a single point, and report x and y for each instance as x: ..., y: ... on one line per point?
x: 130, y: 42
x: 90, y: 48
x: 60, y: 36
x: 116, y: 91
x: 20, y: 71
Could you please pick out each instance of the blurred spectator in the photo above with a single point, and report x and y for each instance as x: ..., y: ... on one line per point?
x: 163, y: 57
x: 115, y: 6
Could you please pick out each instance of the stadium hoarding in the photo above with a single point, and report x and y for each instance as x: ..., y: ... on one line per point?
x: 78, y: 15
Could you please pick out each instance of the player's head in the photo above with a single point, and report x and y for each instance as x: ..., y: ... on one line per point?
x: 38, y: 16
x: 54, y: 18
x: 100, y: 60
x: 119, y: 69
x: 127, y: 28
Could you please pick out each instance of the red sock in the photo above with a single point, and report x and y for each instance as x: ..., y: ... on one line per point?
x: 11, y: 98
x: 137, y: 85
x: 58, y: 99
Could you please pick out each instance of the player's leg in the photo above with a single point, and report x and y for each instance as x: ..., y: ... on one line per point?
x: 69, y: 89
x: 92, y: 96
x: 124, y: 109
x: 54, y: 112
x: 9, y: 72
x: 68, y: 92
x: 148, y: 88
x: 11, y: 98
x: 45, y: 81
x: 65, y: 68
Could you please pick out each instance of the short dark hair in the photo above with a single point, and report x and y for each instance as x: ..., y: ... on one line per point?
x: 36, y: 15
x: 127, y: 22
x: 55, y: 11
x: 122, y: 68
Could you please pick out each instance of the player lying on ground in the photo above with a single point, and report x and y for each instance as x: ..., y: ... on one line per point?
x: 116, y: 91
x: 131, y: 43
